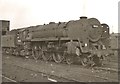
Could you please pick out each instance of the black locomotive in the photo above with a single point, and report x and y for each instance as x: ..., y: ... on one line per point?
x: 85, y: 40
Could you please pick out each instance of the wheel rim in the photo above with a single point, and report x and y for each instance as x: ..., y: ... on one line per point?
x: 36, y: 54
x: 45, y: 56
x: 84, y: 61
x: 22, y: 53
x: 69, y: 60
x: 57, y: 58
x: 7, y: 51
x: 11, y: 51
x: 3, y: 50
x: 17, y: 52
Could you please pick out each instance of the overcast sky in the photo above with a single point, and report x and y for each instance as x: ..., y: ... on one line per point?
x: 23, y: 13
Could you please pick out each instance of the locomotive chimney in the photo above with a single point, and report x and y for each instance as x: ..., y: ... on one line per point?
x: 83, y: 17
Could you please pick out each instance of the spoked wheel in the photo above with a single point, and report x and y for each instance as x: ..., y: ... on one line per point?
x: 13, y: 51
x: 57, y: 57
x: 46, y: 56
x: 17, y: 53
x: 22, y: 53
x: 7, y: 51
x: 10, y: 51
x: 84, y: 61
x: 69, y: 59
x: 3, y: 50
x: 35, y: 52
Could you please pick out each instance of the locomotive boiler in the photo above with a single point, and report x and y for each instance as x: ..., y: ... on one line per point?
x: 82, y: 40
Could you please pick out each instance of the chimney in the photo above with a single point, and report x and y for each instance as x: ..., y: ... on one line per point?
x: 83, y: 17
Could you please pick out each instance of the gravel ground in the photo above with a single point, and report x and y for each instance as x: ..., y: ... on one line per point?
x: 72, y: 72
x: 13, y: 73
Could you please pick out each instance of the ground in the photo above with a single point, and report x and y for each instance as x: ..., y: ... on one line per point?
x: 21, y: 69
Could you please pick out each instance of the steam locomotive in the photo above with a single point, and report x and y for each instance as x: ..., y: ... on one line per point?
x: 85, y: 40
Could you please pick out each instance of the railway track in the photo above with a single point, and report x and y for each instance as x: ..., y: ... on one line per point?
x: 106, y: 69
x: 7, y: 78
x: 50, y: 77
x: 82, y: 77
x: 53, y: 77
x: 109, y: 65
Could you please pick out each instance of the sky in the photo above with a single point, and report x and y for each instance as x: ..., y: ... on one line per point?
x: 24, y: 13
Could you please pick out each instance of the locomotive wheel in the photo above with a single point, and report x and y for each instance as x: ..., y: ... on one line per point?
x: 3, y: 50
x: 22, y: 53
x: 35, y: 53
x: 84, y: 61
x: 16, y: 53
x: 57, y: 57
x: 10, y: 51
x: 69, y: 59
x: 13, y: 52
x: 7, y: 51
x: 46, y: 56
